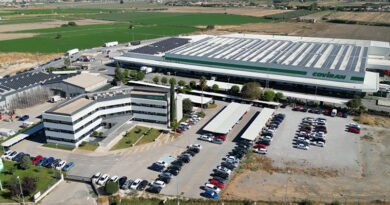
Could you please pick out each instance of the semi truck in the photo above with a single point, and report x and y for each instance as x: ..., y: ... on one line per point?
x: 110, y: 44
x: 72, y: 52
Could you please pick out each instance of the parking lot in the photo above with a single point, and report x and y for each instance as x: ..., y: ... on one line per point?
x: 133, y: 162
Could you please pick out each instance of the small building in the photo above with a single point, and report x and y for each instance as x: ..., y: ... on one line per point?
x: 77, y: 84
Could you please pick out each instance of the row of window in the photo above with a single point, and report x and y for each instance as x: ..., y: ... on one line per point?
x: 149, y: 113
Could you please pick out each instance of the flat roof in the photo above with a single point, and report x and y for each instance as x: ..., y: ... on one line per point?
x: 369, y: 85
x: 85, y: 80
x: 287, y: 52
x: 257, y: 124
x: 73, y: 106
x: 228, y: 117
x: 196, y: 98
x: 22, y: 136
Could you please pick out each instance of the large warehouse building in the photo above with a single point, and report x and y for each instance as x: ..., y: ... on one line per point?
x: 327, y: 64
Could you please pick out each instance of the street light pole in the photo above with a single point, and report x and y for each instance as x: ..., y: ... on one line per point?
x: 288, y: 177
x: 21, y: 191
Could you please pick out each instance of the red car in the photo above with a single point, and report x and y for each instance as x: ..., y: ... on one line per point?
x: 326, y: 112
x: 221, y: 137
x: 217, y: 183
x: 305, y: 130
x: 260, y: 146
x: 354, y: 130
x: 37, y: 159
x: 178, y: 130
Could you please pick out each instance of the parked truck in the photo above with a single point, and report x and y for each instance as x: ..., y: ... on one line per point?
x: 55, y: 98
x: 72, y: 52
x: 110, y: 44
x: 147, y: 69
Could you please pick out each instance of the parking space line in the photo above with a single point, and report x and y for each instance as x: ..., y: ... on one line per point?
x: 148, y: 146
x: 130, y: 151
x: 172, y: 138
x: 155, y: 144
x: 167, y: 140
x: 135, y: 150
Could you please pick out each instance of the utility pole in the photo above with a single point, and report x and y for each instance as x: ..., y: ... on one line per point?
x: 21, y: 191
x: 285, y: 196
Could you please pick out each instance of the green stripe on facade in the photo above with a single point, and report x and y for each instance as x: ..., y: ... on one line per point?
x: 237, y: 66
x: 357, y: 78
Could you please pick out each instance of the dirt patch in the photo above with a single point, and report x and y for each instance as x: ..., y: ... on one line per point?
x: 362, y: 16
x: 317, y: 16
x: 11, y: 63
x: 373, y: 120
x: 257, y: 12
x: 50, y: 24
x: 322, y: 29
x: 9, y: 36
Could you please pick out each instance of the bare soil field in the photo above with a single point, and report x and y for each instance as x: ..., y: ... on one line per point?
x: 373, y: 120
x: 317, y: 16
x: 362, y: 16
x: 322, y: 29
x: 11, y: 63
x: 257, y: 12
x: 272, y: 182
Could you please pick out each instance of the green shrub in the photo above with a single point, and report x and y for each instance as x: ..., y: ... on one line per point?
x: 25, y: 163
x: 111, y: 188
x: 306, y: 202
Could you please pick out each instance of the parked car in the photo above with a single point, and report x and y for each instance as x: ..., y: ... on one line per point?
x: 96, y: 176
x: 211, y: 187
x: 166, y: 180
x: 60, y: 165
x: 43, y: 160
x: 318, y: 143
x: 198, y: 146
x: 260, y: 150
x: 122, y: 181
x: 210, y: 194
x: 135, y: 184
x: 217, y: 183
x: 218, y: 141
x: 154, y: 189
x: 206, y: 138
x: 158, y: 183
x: 103, y: 179
x: 55, y: 163
x: 114, y: 179
x: 354, y: 130
x: 68, y: 166
x: 175, y: 172
x: 302, y: 146
x: 127, y: 184
x: 24, y: 118
x: 177, y: 162
x: 142, y: 185
x: 221, y: 137
x: 48, y: 162
x: 166, y: 174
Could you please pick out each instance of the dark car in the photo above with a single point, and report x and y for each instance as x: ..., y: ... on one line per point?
x: 18, y: 157
x: 49, y: 162
x: 264, y: 142
x: 345, y: 115
x: 221, y: 174
x: 55, y: 163
x: 122, y: 180
x: 189, y: 152
x: 185, y: 159
x: 153, y: 189
x: 175, y: 172
x: 228, y: 165
x: 142, y: 185
x: 157, y: 168
x: 218, y: 179
x: 165, y: 179
x: 177, y: 162
x: 194, y: 149
x: 245, y: 142
x: 175, y: 167
x: 43, y: 160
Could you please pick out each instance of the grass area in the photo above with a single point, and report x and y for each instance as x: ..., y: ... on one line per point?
x: 150, y: 137
x: 372, y: 120
x: 211, y: 106
x: 88, y: 36
x: 130, y: 138
x: 44, y: 176
x: 178, y: 19
x: 36, y: 19
x: 89, y: 147
x: 59, y: 146
x: 367, y: 138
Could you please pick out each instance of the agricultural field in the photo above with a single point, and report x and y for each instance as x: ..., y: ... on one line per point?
x: 289, y: 15
x: 376, y: 17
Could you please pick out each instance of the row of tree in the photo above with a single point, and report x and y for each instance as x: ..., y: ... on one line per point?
x: 123, y: 76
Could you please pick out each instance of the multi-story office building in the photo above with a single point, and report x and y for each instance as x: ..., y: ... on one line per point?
x: 73, y: 121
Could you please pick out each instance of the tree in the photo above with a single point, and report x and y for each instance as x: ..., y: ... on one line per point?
x: 172, y: 81
x: 251, y: 91
x: 278, y: 96
x: 140, y: 75
x: 67, y: 62
x: 269, y: 95
x: 187, y: 105
x: 181, y: 83
x: 234, y: 90
x: 121, y: 2
x: 313, y: 6
x: 354, y: 103
x: 111, y: 187
x: 164, y: 80
x: 173, y: 103
x: 126, y: 73
x: 72, y: 23
x: 133, y: 73
x: 119, y: 75
x: 192, y: 84
x: 203, y: 85
x: 28, y: 185
x: 25, y: 163
x: 210, y: 27
x: 156, y: 79
x: 215, y: 87
x: 58, y: 36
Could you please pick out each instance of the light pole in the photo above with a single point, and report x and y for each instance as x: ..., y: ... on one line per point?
x: 21, y: 191
x: 288, y: 177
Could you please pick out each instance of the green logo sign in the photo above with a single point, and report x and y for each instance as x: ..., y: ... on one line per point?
x: 329, y: 75
x: 155, y: 97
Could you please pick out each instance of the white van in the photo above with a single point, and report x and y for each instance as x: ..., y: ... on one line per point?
x: 334, y: 113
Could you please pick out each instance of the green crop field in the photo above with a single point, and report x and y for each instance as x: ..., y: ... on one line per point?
x: 177, y: 19
x: 87, y: 37
x: 55, y: 11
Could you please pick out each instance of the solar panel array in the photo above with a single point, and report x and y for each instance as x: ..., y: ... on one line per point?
x: 320, y: 55
x: 161, y: 46
x: 22, y: 80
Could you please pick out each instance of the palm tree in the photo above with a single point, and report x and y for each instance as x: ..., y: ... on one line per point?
x: 202, y: 84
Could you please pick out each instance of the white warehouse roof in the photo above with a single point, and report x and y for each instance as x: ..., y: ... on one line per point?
x: 227, y: 118
x: 196, y: 99
x: 253, y: 130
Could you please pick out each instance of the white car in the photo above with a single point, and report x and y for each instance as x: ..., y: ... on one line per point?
x: 232, y: 158
x: 103, y: 179
x: 61, y: 165
x: 195, y: 146
x: 206, y: 138
x: 161, y: 163
x: 302, y: 146
x: 114, y: 179
x: 318, y: 144
x: 224, y: 169
x: 318, y: 135
x: 260, y: 150
x: 158, y: 183
x: 7, y: 153
x: 211, y: 187
x: 354, y: 125
x: 135, y: 183
x: 267, y: 137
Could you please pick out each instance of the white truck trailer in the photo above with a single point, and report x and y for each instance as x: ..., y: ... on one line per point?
x: 110, y: 44
x: 146, y: 69
x: 55, y: 98
x: 72, y: 52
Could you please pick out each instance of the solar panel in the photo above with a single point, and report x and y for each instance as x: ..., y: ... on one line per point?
x: 356, y: 58
x: 248, y: 53
x: 161, y: 46
x: 270, y: 50
x: 329, y: 61
x: 293, y: 49
x: 261, y: 49
x: 300, y: 53
x: 363, y: 62
x: 351, y: 57
x: 309, y: 55
x: 283, y: 51
x: 232, y: 46
x: 346, y: 48
x: 319, y: 55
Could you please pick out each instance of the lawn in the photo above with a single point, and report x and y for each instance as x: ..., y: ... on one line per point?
x: 130, y: 138
x: 88, y: 147
x: 59, y: 146
x: 44, y: 175
x: 178, y: 19
x: 150, y: 137
x: 88, y: 36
